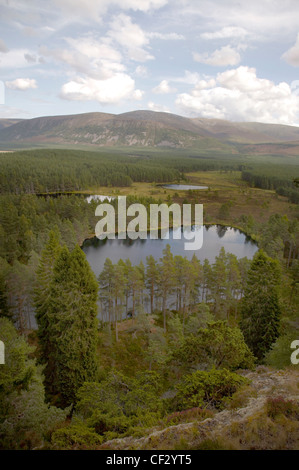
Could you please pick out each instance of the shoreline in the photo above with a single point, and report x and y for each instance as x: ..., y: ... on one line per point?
x: 252, y: 237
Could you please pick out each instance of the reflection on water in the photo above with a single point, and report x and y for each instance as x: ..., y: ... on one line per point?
x: 99, y: 197
x: 214, y: 237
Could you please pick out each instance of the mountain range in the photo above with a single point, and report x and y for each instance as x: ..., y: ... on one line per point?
x: 149, y: 129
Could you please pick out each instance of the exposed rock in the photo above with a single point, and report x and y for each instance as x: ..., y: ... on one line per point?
x: 245, y: 427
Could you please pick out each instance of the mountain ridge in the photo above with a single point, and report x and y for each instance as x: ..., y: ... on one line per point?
x: 143, y: 128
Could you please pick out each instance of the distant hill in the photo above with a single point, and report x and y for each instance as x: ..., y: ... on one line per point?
x: 8, y: 122
x: 147, y: 129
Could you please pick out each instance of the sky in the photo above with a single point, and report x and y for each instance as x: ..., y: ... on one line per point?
x: 220, y: 59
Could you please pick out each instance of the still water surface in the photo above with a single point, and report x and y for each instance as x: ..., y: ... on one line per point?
x: 214, y: 237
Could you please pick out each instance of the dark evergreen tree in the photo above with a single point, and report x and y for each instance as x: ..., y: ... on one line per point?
x: 44, y: 276
x: 72, y: 316
x: 260, y: 308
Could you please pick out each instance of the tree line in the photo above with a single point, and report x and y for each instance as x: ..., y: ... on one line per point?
x: 277, y: 177
x: 46, y: 171
x: 171, y: 283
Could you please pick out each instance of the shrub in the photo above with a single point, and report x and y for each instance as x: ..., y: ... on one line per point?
x: 185, y: 416
x: 207, y: 388
x: 279, y: 406
x: 75, y: 436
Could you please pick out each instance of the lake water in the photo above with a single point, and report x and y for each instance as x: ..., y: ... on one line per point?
x: 214, y: 237
x: 99, y: 198
x: 183, y: 187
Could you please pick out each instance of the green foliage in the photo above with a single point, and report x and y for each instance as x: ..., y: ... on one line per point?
x: 75, y: 436
x: 277, y: 177
x: 43, y: 171
x: 217, y: 345
x: 26, y: 421
x: 279, y: 356
x: 203, y: 388
x: 42, y: 292
x: 29, y: 421
x: 120, y: 394
x: 72, y: 326
x: 260, y: 305
x: 224, y: 210
x: 17, y: 371
x: 120, y: 403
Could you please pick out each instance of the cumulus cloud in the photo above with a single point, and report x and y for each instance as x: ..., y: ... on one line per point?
x: 21, y: 84
x: 225, y: 33
x: 87, y: 55
x: 113, y: 90
x: 130, y: 37
x: 220, y: 58
x: 164, y: 88
x: 291, y: 56
x: 239, y: 95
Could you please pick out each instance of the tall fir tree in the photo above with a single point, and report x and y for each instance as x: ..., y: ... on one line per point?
x: 260, y: 309
x: 44, y: 275
x: 72, y: 326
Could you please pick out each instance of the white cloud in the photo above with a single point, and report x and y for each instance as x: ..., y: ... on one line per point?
x: 225, y: 33
x: 102, y: 75
x: 157, y: 107
x: 21, y: 84
x: 130, y: 37
x: 190, y: 78
x: 95, y: 58
x: 220, y: 58
x: 15, y: 59
x: 3, y: 46
x: 113, y: 90
x: 163, y: 88
x: 93, y: 48
x: 166, y: 36
x: 141, y: 71
x: 264, y: 20
x: 12, y: 112
x: 291, y: 56
x: 95, y: 9
x: 203, y: 85
x: 142, y: 5
x: 239, y: 95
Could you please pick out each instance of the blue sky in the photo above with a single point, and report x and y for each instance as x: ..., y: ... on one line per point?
x: 225, y: 59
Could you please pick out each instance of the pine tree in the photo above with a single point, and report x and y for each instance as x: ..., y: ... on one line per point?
x: 260, y: 308
x: 167, y: 279
x: 44, y: 276
x: 5, y: 310
x: 106, y: 280
x: 151, y: 278
x: 72, y: 316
